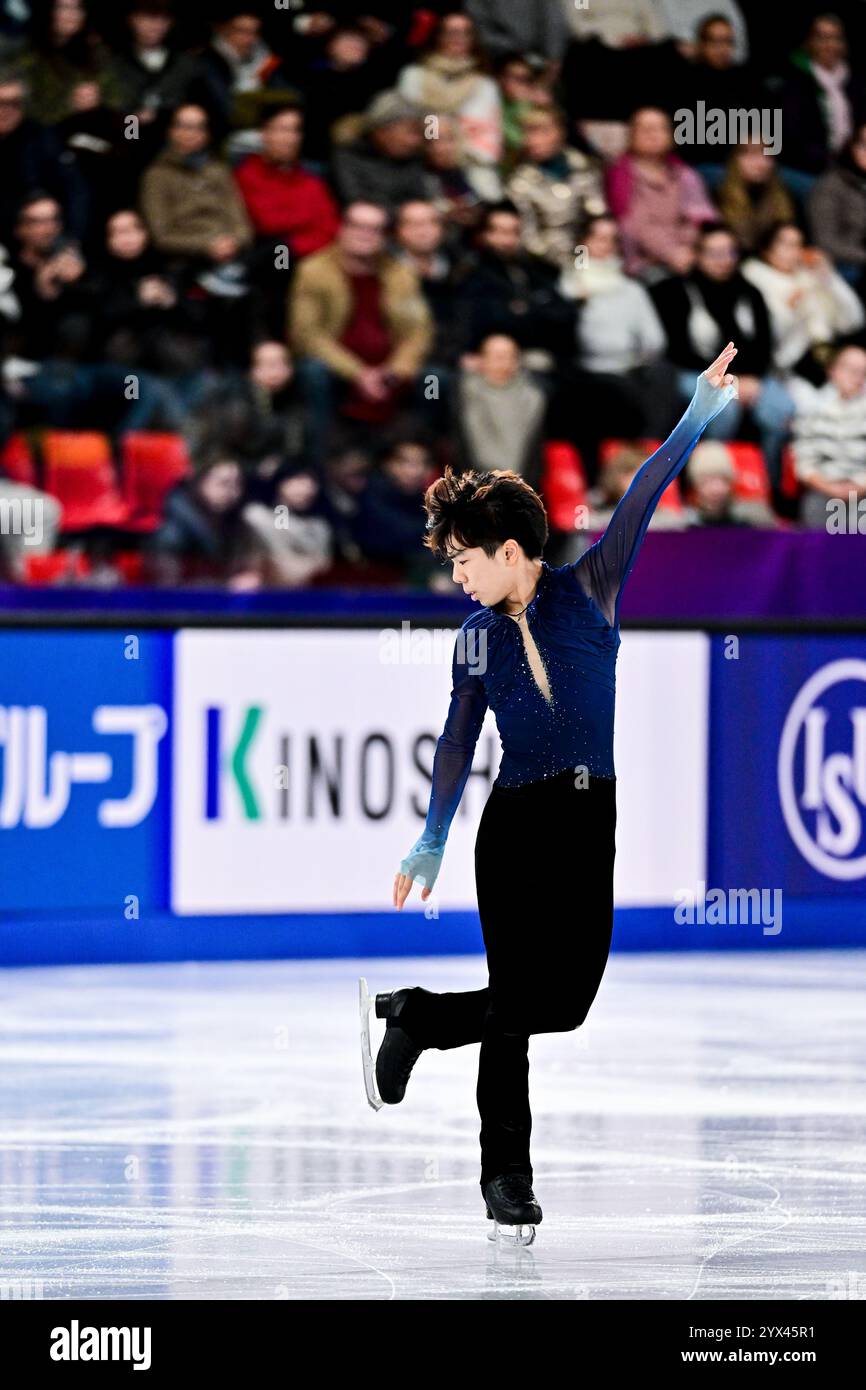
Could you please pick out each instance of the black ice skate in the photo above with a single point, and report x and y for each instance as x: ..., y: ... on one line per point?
x: 386, y: 1085
x: 513, y: 1209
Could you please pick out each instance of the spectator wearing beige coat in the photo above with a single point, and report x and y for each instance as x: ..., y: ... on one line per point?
x: 360, y: 324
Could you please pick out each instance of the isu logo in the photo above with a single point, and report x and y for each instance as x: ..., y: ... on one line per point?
x: 823, y: 792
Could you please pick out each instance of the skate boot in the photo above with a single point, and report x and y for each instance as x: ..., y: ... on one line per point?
x: 386, y: 1082
x: 513, y: 1209
x: 398, y: 1053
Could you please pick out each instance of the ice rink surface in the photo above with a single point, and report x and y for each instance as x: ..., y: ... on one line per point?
x: 201, y: 1131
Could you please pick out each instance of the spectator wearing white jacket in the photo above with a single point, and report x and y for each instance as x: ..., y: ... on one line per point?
x: 620, y: 337
x: 616, y: 23
x: 830, y: 439
x: 681, y: 20
x: 810, y: 305
x: 450, y: 81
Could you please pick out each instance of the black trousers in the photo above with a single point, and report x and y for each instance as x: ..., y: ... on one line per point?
x: 544, y: 859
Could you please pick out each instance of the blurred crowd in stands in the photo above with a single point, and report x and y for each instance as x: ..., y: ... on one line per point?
x: 265, y: 270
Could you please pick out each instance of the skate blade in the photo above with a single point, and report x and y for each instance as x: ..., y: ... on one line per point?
x: 523, y: 1234
x: 366, y: 1002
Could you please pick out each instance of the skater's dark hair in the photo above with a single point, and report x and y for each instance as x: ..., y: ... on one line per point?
x: 467, y: 508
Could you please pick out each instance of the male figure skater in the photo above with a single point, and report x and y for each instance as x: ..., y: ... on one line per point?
x: 541, y: 653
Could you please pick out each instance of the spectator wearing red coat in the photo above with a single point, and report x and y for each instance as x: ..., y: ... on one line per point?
x: 286, y: 202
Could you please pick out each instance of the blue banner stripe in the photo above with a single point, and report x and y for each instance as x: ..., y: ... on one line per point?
x: 212, y: 765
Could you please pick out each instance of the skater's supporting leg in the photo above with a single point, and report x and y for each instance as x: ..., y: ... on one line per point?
x: 528, y: 916
x: 503, y: 1101
x: 443, y: 1021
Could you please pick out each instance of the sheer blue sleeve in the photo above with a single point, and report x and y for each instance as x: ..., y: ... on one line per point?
x: 603, y: 569
x: 452, y: 762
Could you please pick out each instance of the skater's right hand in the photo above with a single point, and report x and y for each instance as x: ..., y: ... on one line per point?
x: 403, y: 887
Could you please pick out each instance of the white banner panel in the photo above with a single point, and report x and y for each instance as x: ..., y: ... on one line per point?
x: 661, y: 755
x: 302, y: 763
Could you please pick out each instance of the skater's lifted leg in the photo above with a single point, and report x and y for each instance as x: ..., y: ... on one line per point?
x: 443, y: 1021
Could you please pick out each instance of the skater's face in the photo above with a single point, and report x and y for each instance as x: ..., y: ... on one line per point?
x: 487, y: 579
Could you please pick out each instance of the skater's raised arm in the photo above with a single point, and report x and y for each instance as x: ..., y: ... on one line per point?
x: 451, y: 765
x: 603, y: 569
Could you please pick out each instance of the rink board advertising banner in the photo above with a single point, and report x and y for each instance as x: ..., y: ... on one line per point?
x: 302, y: 765
x: 263, y: 774
x: 788, y: 756
x: 85, y: 771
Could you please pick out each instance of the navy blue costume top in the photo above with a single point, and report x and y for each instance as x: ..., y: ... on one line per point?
x: 574, y: 620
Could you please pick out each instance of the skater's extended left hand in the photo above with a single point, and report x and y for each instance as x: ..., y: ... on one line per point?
x: 717, y: 373
x: 403, y: 887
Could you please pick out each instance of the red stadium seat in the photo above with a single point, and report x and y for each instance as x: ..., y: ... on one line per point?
x: 752, y: 482
x: 129, y: 564
x: 79, y: 472
x: 671, y: 499
x: 16, y: 460
x: 58, y: 567
x: 151, y: 465
x: 563, y: 484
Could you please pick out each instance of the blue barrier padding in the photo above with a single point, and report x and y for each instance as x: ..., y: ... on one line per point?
x: 324, y: 604
x: 64, y: 939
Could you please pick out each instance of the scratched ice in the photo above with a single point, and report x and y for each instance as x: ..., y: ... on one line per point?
x: 201, y: 1131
